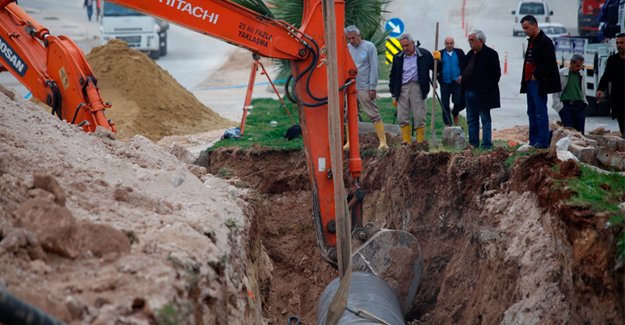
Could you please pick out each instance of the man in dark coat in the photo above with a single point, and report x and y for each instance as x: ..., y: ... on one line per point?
x: 540, y: 77
x: 615, y: 75
x: 409, y: 84
x: 449, y: 77
x: 480, y: 82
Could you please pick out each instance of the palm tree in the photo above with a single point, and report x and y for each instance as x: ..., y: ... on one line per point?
x: 365, y: 14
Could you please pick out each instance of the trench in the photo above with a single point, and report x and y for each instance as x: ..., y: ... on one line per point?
x: 499, y: 244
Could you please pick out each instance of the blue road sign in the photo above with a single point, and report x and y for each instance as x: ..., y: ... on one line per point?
x: 395, y: 26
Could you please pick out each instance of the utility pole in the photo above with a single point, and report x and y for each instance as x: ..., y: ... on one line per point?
x: 434, y: 83
x: 343, y: 231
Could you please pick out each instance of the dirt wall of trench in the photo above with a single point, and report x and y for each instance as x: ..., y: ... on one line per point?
x: 499, y: 246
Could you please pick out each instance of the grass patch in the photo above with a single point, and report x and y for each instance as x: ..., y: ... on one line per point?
x: 601, y: 193
x: 260, y: 133
x: 597, y: 191
x: 170, y: 314
x: 515, y: 156
x: 388, y: 112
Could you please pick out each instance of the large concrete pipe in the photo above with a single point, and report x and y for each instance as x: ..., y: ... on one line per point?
x: 368, y: 293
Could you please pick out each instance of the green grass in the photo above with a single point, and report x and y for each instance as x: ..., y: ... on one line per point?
x: 601, y: 193
x: 511, y: 160
x: 389, y: 112
x: 384, y: 70
x: 598, y: 191
x: 258, y: 130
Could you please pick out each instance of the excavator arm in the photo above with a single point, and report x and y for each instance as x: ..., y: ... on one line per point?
x: 56, y: 72
x: 53, y: 68
x: 304, y: 47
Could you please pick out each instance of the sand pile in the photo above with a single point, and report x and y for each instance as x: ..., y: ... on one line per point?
x: 146, y: 99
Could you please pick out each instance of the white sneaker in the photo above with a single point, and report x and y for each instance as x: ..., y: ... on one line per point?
x: 524, y: 148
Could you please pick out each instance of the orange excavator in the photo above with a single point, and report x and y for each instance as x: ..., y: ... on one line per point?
x: 56, y: 72
x: 53, y: 68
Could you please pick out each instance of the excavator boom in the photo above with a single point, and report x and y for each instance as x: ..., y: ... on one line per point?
x: 53, y: 68
x: 56, y: 72
x: 272, y: 38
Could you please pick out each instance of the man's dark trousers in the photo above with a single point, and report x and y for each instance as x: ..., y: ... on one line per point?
x: 573, y: 114
x: 452, y: 90
x: 538, y: 118
x: 475, y: 113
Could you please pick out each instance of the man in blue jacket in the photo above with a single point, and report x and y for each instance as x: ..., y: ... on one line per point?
x: 450, y: 80
x: 409, y: 83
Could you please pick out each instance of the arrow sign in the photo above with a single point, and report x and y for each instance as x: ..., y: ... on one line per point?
x: 394, y: 26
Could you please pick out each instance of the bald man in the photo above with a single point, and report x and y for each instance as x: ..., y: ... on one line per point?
x: 450, y: 79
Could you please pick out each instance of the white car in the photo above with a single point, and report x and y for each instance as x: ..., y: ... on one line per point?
x: 536, y: 8
x: 553, y: 30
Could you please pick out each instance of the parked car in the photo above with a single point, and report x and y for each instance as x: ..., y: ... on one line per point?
x: 536, y: 8
x: 553, y: 30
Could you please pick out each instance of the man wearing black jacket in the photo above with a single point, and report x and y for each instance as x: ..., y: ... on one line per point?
x: 480, y: 82
x: 449, y: 77
x: 540, y: 78
x: 409, y: 84
x: 615, y: 75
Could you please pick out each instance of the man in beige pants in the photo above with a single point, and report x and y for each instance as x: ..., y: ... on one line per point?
x: 365, y: 56
x: 409, y: 83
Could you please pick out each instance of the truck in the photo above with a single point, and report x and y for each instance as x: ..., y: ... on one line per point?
x: 587, y: 17
x: 142, y: 32
x: 595, y: 60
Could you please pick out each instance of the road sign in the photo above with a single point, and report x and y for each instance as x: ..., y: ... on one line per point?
x: 395, y: 26
x: 392, y: 47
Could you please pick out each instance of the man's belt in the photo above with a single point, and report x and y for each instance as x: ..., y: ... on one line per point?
x: 573, y: 102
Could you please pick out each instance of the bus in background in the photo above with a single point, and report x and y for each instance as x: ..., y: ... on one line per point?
x: 587, y: 17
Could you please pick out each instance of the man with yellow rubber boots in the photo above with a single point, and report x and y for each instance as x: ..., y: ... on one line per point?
x: 409, y: 83
x: 365, y: 56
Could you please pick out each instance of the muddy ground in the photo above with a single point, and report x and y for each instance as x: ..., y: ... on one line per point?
x: 500, y: 246
x: 101, y: 231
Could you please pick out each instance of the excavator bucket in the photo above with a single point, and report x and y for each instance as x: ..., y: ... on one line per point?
x: 395, y: 257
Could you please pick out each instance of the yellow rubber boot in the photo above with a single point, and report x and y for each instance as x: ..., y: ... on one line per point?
x: 346, y: 146
x: 379, y: 131
x: 406, y: 134
x: 420, y: 134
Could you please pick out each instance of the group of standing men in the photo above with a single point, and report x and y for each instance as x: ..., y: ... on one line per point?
x: 541, y: 77
x: 471, y: 80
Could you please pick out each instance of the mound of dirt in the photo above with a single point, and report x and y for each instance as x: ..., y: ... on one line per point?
x: 146, y: 99
x: 518, y: 134
x: 98, y: 231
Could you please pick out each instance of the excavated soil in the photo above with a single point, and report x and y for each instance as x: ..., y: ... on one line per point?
x: 146, y: 99
x: 499, y: 244
x: 99, y: 231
